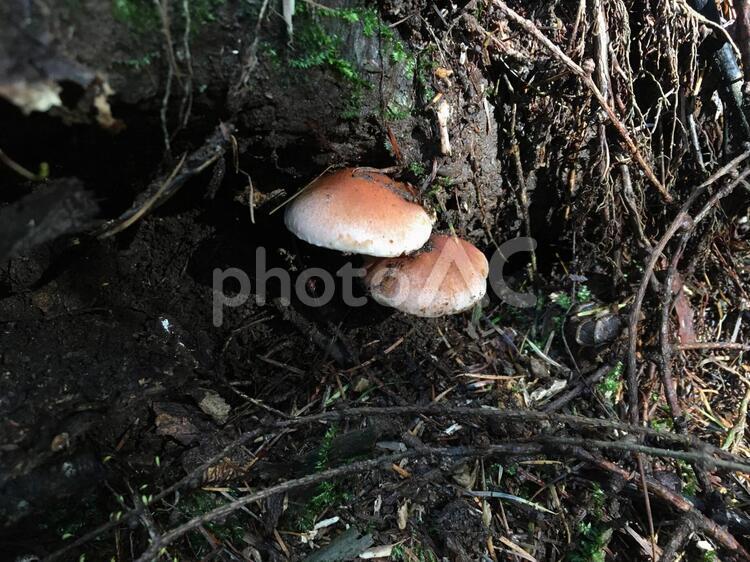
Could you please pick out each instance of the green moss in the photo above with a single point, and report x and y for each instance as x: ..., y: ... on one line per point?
x: 598, y: 499
x: 139, y: 15
x: 396, y: 112
x: 204, y: 11
x: 319, y: 48
x: 325, y: 449
x: 422, y: 72
x: 562, y: 300
x: 418, y: 169
x: 441, y: 184
x: 394, y: 48
x: 229, y: 530
x: 142, y: 16
x: 662, y: 424
x: 316, y: 47
x: 592, y: 540
x: 269, y: 53
x: 709, y: 556
x: 610, y: 384
x: 327, y: 494
x: 583, y: 294
x: 689, y: 479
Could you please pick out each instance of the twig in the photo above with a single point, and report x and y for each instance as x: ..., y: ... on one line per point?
x: 250, y: 61
x: 162, y: 7
x: 138, y: 510
x: 163, y: 114
x: 713, y: 345
x: 702, y: 457
x: 147, y: 205
x: 361, y: 466
x: 533, y: 30
x: 632, y: 376
x: 187, y: 96
x: 603, y: 82
x: 145, y: 517
x: 742, y: 29
x: 161, y: 190
x: 717, y: 27
x: 586, y: 384
x: 647, y: 502
x: 522, y: 194
x: 665, y: 362
x: 17, y: 168
x: 300, y: 192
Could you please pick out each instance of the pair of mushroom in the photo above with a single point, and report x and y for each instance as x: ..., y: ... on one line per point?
x: 357, y: 210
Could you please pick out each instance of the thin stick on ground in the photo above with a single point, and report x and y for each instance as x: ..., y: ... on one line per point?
x: 721, y: 345
x: 647, y: 502
x: 582, y: 387
x: 17, y: 168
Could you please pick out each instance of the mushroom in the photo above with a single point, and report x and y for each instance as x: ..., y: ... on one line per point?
x: 448, y: 278
x: 359, y: 211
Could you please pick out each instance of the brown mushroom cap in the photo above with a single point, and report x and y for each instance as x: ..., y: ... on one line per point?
x: 359, y: 211
x: 449, y: 278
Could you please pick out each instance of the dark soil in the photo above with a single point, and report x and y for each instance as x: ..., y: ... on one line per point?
x: 114, y: 380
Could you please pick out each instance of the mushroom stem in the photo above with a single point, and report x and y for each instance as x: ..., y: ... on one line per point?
x: 443, y: 114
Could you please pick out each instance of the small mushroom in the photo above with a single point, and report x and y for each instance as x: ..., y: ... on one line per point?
x: 359, y: 211
x: 448, y: 278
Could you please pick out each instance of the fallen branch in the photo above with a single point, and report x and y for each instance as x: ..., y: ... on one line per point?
x: 699, y: 457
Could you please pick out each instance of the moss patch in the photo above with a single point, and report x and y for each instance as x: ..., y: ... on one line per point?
x: 315, y: 46
x: 140, y: 15
x: 327, y: 494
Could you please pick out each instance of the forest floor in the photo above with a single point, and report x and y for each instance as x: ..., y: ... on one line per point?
x: 144, y: 145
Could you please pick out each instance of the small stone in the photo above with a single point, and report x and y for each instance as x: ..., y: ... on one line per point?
x: 60, y: 442
x: 215, y: 406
